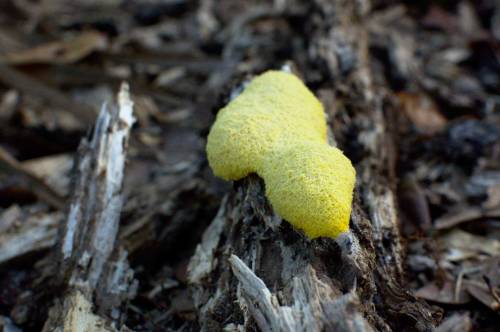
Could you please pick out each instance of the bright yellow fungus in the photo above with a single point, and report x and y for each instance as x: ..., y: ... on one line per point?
x: 276, y: 128
x: 273, y: 105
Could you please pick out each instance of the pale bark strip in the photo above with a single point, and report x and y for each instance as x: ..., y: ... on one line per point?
x: 93, y: 269
x: 310, y: 297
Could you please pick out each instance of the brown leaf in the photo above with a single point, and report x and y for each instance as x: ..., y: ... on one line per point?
x: 464, y: 214
x: 422, y: 112
x: 59, y: 52
x: 459, y: 245
x: 484, y: 283
x: 444, y: 294
x: 413, y: 206
x: 482, y: 294
x: 456, y: 323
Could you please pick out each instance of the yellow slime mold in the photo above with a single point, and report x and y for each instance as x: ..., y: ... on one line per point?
x: 272, y: 105
x: 276, y: 128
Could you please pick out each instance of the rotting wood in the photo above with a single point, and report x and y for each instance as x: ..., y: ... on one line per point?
x: 427, y: 61
x: 282, y: 281
x: 93, y: 268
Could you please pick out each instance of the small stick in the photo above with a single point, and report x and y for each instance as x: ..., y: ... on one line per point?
x: 37, y: 185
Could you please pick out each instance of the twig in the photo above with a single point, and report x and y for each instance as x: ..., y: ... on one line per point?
x: 39, y: 187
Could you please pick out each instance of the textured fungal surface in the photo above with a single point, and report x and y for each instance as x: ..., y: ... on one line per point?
x: 277, y: 129
x: 273, y: 105
x: 310, y: 184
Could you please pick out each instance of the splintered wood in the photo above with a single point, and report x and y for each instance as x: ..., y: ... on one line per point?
x: 93, y: 268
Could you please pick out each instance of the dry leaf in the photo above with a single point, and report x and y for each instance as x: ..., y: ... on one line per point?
x: 54, y: 170
x: 465, y: 214
x: 414, y: 207
x: 8, y: 104
x: 59, y: 52
x: 456, y: 323
x: 481, y: 293
x: 422, y: 112
x: 484, y: 283
x: 445, y: 294
x: 459, y: 245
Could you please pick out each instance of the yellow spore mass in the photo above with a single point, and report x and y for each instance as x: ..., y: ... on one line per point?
x: 272, y: 105
x: 310, y: 184
x: 276, y: 128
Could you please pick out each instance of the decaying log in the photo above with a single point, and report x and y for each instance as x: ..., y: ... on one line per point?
x: 92, y: 267
x: 254, y: 271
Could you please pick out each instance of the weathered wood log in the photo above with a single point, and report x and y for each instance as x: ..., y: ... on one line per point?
x: 254, y: 271
x: 92, y: 268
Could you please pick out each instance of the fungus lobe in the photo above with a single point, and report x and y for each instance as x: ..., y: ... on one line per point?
x: 276, y: 128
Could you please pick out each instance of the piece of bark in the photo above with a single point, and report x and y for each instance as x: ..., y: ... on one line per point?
x: 310, y: 296
x: 92, y: 268
x: 282, y: 281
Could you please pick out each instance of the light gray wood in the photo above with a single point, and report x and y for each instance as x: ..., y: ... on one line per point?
x: 93, y: 269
